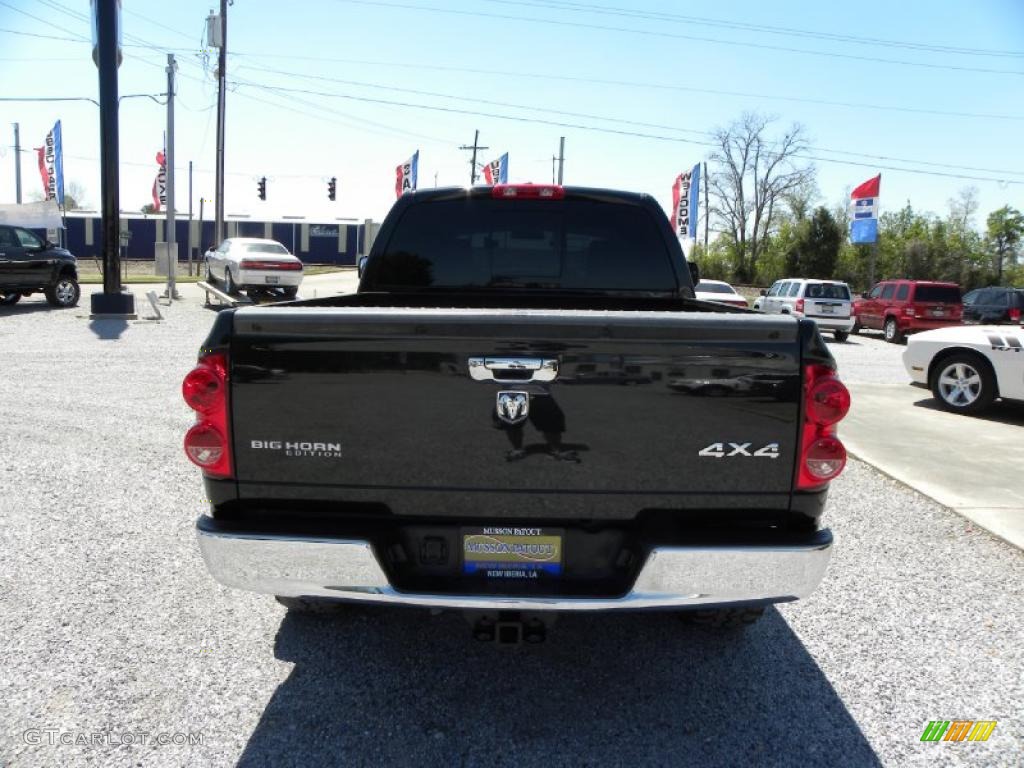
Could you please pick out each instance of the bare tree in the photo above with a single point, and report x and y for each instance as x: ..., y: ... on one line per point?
x: 754, y: 173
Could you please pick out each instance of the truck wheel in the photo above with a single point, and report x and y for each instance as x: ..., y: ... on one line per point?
x: 64, y: 293
x: 964, y: 383
x: 290, y: 292
x: 892, y: 331
x: 841, y: 336
x: 229, y: 284
x: 209, y: 274
x: 10, y: 299
x: 856, y: 327
x: 724, y: 618
x: 312, y: 605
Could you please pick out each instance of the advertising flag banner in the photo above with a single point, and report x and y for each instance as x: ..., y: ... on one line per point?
x: 160, y: 183
x: 496, y: 171
x: 405, y: 175
x: 685, y: 196
x: 51, y: 165
x: 864, y: 211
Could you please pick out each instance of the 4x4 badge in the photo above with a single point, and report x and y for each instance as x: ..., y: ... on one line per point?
x: 513, y: 407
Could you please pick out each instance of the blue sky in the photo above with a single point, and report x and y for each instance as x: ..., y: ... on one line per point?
x: 670, y: 70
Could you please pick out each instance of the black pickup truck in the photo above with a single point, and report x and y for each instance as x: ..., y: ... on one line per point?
x: 502, y: 419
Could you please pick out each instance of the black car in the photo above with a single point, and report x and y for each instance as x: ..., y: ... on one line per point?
x: 30, y: 264
x: 994, y: 305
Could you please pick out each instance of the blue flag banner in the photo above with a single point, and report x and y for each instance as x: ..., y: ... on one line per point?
x: 58, y: 163
x: 406, y: 175
x: 685, y: 197
x: 496, y: 171
x: 864, y: 211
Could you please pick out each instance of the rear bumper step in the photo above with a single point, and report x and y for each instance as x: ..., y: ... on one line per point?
x: 695, y: 576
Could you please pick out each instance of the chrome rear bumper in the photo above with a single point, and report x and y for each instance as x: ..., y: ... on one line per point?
x: 672, y: 577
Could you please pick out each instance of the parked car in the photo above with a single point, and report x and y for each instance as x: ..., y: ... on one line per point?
x: 826, y: 302
x: 716, y: 290
x: 901, y: 307
x: 254, y: 264
x: 30, y: 264
x: 448, y: 463
x: 968, y: 367
x: 993, y: 305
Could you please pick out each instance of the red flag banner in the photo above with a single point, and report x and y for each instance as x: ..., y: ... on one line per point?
x: 160, y: 183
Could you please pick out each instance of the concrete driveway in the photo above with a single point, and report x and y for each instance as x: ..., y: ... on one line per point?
x: 973, y: 465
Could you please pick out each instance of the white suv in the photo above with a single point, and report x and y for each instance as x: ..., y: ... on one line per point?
x: 826, y: 302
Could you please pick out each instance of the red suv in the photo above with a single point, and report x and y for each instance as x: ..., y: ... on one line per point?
x: 899, y: 307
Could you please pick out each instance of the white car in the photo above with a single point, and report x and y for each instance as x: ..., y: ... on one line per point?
x: 250, y: 263
x: 968, y: 366
x: 826, y: 302
x: 716, y: 290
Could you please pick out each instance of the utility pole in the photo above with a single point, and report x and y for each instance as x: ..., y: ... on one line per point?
x: 707, y: 209
x: 190, y: 218
x: 222, y: 62
x: 472, y: 163
x: 561, y: 159
x: 112, y: 302
x: 172, y: 240
x: 554, y: 161
x: 17, y: 164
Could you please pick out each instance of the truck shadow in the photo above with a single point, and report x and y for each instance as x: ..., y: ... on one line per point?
x: 393, y: 686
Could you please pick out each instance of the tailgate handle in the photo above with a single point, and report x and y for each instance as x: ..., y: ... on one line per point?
x: 513, y: 370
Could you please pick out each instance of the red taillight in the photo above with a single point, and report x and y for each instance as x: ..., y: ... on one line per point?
x: 799, y: 305
x: 205, y: 445
x: 1014, y: 315
x: 205, y: 389
x: 826, y: 402
x: 272, y: 266
x: 825, y: 458
x: 527, y: 192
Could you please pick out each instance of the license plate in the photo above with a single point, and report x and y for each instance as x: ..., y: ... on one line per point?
x: 938, y: 313
x: 512, y: 553
x: 826, y: 310
x: 272, y: 279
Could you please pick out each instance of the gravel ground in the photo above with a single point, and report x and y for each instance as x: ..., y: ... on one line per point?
x: 867, y: 358
x: 110, y: 623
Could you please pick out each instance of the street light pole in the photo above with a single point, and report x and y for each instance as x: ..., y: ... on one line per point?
x: 112, y: 302
x: 17, y: 164
x: 222, y: 62
x: 172, y: 239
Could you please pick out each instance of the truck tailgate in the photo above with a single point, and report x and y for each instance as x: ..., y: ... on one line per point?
x: 646, y: 410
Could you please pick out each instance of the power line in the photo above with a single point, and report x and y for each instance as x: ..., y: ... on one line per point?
x: 677, y: 36
x: 619, y: 132
x: 620, y: 121
x: 760, y: 28
x: 629, y: 84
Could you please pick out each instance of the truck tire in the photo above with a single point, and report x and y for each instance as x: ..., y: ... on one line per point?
x: 841, y: 336
x: 290, y: 292
x: 856, y: 327
x: 978, y: 387
x: 892, y: 331
x: 229, y: 284
x: 64, y: 293
x: 10, y: 299
x: 724, y: 618
x: 312, y: 605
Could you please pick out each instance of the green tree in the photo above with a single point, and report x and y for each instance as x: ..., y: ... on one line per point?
x: 754, y: 172
x: 1003, y: 235
x: 148, y: 208
x: 814, y: 251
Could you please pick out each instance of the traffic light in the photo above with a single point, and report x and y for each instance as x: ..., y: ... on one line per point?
x: 332, y: 188
x: 261, y: 187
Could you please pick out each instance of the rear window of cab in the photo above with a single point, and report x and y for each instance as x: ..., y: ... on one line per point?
x: 827, y: 291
